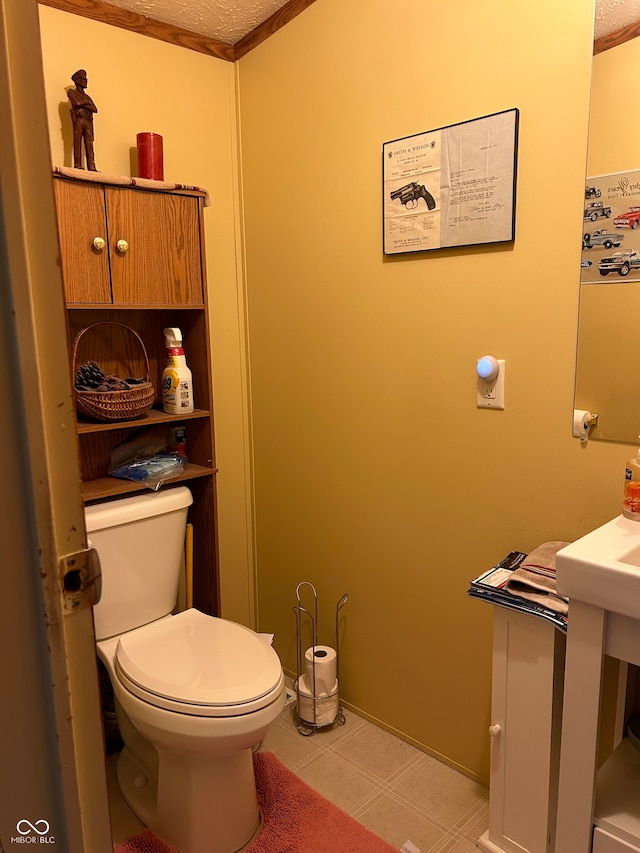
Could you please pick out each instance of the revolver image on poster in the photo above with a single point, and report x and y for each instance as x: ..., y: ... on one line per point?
x: 410, y: 193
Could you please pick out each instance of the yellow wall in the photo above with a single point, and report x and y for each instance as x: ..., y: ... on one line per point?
x: 375, y: 473
x: 141, y: 84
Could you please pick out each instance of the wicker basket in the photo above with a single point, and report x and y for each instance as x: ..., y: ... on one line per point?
x: 114, y: 405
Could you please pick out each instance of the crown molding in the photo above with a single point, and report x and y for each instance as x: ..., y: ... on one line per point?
x: 267, y: 28
x: 117, y: 17
x: 106, y: 13
x: 617, y: 37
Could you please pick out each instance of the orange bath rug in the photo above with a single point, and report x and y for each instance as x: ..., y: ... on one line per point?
x: 295, y: 819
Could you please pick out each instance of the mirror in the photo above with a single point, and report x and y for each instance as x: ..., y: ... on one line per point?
x: 608, y: 359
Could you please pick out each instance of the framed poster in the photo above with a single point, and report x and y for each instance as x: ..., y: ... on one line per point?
x: 453, y: 186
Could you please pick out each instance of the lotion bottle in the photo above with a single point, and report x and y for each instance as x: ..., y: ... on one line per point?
x: 177, y: 382
x: 631, y: 502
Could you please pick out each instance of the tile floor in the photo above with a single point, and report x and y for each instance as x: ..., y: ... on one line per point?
x: 394, y: 789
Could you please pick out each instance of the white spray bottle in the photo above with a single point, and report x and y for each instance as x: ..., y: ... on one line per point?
x: 177, y: 383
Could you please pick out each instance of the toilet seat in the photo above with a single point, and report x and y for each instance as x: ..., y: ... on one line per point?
x: 199, y: 665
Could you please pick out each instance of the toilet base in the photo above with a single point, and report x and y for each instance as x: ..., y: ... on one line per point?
x: 199, y: 806
x: 206, y: 805
x: 141, y: 796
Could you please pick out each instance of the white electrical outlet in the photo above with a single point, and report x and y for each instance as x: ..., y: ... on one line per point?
x: 490, y: 392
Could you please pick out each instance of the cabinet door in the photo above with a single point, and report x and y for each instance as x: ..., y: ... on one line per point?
x: 81, y: 219
x: 528, y: 667
x: 161, y: 262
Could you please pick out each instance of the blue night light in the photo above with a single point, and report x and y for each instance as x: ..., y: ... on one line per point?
x: 487, y: 367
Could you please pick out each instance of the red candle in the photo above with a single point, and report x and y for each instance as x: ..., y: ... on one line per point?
x: 150, y: 157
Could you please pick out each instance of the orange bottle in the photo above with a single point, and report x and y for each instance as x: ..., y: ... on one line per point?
x: 631, y: 502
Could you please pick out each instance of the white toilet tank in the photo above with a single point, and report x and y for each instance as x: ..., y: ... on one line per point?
x: 140, y: 542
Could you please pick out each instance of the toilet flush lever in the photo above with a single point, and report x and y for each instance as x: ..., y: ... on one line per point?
x: 81, y: 579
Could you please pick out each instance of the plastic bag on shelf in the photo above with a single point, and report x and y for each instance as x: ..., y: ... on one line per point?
x: 150, y: 457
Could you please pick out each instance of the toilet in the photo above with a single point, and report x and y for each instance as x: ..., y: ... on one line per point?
x: 194, y: 693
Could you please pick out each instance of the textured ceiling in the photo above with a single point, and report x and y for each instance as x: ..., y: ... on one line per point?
x: 230, y: 20
x: 225, y: 20
x: 611, y: 15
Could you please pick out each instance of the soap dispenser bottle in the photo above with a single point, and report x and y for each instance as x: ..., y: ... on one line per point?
x: 631, y: 502
x: 177, y: 382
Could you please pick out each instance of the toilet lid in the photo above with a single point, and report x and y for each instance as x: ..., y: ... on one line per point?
x: 201, y: 660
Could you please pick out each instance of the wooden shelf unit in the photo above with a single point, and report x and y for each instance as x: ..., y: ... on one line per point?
x: 157, y: 282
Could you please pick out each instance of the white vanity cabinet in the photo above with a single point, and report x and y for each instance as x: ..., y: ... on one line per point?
x: 526, y: 710
x: 605, y: 842
x: 599, y: 808
x: 617, y: 811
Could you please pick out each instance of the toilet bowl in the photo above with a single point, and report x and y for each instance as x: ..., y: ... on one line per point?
x: 202, y: 691
x: 193, y: 693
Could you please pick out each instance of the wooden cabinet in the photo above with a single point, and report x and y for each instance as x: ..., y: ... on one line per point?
x: 526, y: 712
x: 160, y: 281
x: 127, y: 246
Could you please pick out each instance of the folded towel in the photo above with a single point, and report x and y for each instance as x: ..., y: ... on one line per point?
x: 125, y: 181
x: 535, y: 578
x: 537, y: 587
x: 543, y: 558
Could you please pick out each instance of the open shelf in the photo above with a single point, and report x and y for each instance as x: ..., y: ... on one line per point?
x: 153, y: 417
x: 111, y: 306
x: 618, y: 793
x: 111, y: 487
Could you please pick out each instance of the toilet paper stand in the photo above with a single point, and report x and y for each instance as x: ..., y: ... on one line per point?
x: 316, y: 707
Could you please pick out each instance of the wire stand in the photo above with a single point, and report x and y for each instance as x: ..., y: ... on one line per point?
x: 308, y: 727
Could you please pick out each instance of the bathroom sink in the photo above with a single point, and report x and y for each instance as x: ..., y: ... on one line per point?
x: 603, y: 567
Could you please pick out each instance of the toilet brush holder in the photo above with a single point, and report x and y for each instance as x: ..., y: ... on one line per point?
x: 317, y: 683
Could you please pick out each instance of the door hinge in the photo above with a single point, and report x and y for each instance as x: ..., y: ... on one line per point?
x: 81, y: 580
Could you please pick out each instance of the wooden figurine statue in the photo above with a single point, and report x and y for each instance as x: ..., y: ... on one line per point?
x: 82, y: 110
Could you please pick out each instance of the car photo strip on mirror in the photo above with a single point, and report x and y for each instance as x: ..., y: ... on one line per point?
x: 611, y: 233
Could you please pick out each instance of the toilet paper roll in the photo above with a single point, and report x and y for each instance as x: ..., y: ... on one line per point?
x: 325, y: 711
x: 321, y: 668
x: 581, y: 419
x: 305, y: 688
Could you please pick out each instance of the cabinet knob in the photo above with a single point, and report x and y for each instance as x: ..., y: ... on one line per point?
x: 494, y: 731
x: 122, y: 246
x: 99, y: 243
